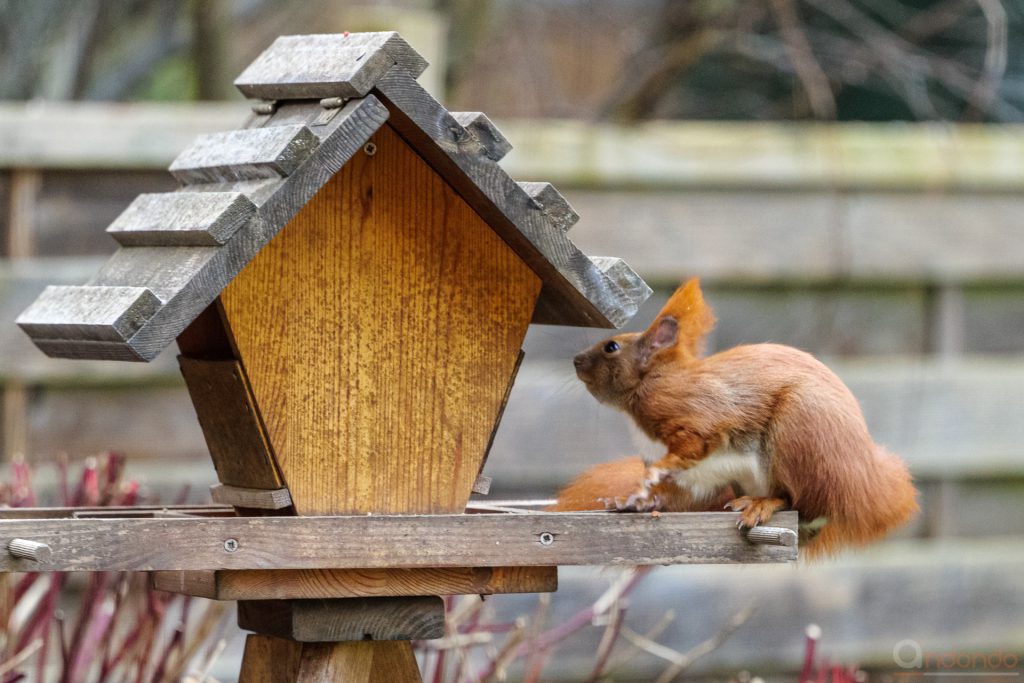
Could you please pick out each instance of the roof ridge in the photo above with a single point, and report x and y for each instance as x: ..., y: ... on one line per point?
x: 240, y: 187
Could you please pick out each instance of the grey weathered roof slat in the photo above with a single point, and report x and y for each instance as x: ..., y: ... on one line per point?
x: 327, y: 65
x: 555, y: 207
x: 188, y: 279
x: 248, y: 154
x: 187, y: 219
x: 103, y: 314
x: 624, y: 277
x: 575, y: 291
x: 486, y: 133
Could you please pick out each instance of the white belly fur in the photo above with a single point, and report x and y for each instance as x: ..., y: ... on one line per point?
x: 724, y: 467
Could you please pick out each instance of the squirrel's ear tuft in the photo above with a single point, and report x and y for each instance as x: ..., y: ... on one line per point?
x: 693, y: 317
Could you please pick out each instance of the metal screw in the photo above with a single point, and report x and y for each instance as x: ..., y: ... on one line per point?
x: 370, y: 148
x: 547, y: 538
x: 231, y: 545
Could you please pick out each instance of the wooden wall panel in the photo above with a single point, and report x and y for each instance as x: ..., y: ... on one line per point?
x: 379, y: 330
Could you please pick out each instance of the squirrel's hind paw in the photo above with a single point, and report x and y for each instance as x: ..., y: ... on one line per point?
x: 754, y: 511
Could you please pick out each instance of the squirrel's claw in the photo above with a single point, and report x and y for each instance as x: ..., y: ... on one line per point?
x: 754, y: 511
x: 641, y: 501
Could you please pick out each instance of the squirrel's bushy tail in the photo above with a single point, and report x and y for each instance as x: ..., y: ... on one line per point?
x: 892, y: 503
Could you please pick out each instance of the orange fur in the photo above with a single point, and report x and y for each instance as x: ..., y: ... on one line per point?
x: 767, y: 404
x: 602, y: 483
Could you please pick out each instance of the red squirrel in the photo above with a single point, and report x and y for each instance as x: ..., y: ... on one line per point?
x: 760, y: 427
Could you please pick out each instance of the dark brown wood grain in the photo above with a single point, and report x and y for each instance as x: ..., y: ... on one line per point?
x: 231, y: 423
x: 339, y: 620
x: 207, y: 337
x: 280, y: 584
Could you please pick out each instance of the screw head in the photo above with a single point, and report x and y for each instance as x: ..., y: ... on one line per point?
x: 547, y: 538
x: 231, y: 545
x: 370, y: 148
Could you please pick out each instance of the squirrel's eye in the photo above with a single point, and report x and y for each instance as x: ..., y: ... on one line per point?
x: 611, y: 347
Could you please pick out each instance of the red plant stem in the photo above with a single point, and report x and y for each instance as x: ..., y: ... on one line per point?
x: 822, y: 671
x: 42, y: 615
x: 91, y: 640
x: 807, y: 670
x: 546, y: 641
x: 26, y: 582
x: 537, y: 667
x: 177, y: 639
x: 108, y: 643
x: 612, y: 632
x: 90, y: 602
x: 65, y: 485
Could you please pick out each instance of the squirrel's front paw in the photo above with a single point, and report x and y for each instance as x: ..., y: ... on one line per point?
x: 641, y: 501
x: 644, y: 499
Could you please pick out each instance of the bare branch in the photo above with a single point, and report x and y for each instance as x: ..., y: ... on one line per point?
x: 808, y: 69
x: 686, y: 659
x: 994, y: 68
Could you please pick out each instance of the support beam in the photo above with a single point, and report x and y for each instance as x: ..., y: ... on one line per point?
x: 287, y: 584
x: 391, y: 541
x: 336, y: 621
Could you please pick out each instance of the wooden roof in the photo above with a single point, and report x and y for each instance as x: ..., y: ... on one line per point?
x: 321, y: 98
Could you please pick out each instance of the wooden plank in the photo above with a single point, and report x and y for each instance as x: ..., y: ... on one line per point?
x: 14, y: 401
x: 622, y: 276
x: 404, y: 287
x: 247, y: 154
x: 186, y: 219
x: 231, y: 423
x: 772, y: 156
x: 286, y: 584
x: 106, y: 135
x: 327, y: 65
x: 482, y: 485
x: 575, y: 291
x: 74, y: 207
x: 557, y: 211
x: 275, y: 660
x: 369, y: 662
x: 495, y: 145
x: 270, y: 660
x: 20, y: 282
x: 206, y: 337
x: 21, y: 213
x: 398, y: 541
x: 188, y: 279
x: 256, y: 499
x: 148, y: 423
x: 339, y: 620
x: 89, y: 313
x: 753, y: 235
x: 678, y: 154
x: 117, y: 511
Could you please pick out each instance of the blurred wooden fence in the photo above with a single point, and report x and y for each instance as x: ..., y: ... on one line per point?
x: 895, y: 252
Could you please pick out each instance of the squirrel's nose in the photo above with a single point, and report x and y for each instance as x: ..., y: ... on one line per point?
x: 579, y: 360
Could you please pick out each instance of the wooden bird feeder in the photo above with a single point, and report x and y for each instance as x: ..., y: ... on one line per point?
x: 349, y: 279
